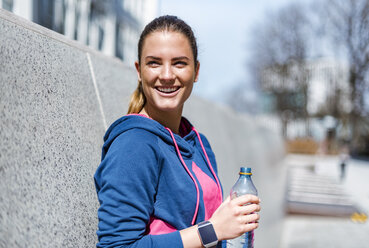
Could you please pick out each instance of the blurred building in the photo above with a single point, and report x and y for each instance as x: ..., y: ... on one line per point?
x: 329, y: 92
x: 326, y: 81
x: 111, y: 26
x: 326, y: 93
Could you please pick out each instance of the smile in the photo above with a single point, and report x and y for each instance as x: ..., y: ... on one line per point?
x: 167, y: 90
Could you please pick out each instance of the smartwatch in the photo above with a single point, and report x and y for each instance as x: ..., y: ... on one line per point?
x: 207, y: 234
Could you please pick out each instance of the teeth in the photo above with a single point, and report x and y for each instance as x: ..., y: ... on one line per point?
x: 167, y: 90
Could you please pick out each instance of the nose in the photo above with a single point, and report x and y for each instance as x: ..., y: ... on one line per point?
x: 166, y: 74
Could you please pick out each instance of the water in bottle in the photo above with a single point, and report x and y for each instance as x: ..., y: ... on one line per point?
x: 243, y: 186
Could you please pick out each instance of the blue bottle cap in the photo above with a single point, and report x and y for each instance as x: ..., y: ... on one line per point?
x: 245, y: 169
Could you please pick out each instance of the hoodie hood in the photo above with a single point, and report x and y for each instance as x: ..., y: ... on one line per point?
x: 132, y: 121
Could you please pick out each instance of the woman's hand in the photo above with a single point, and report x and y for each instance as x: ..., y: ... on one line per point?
x: 235, y: 217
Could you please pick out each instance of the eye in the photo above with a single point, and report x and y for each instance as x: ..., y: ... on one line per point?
x: 153, y: 63
x: 180, y: 63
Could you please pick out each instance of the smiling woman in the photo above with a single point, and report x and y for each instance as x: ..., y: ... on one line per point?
x: 157, y: 183
x: 167, y: 71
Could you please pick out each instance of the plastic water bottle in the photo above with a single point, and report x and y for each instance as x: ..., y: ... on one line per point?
x: 243, y: 186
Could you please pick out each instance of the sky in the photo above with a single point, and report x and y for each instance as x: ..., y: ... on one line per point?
x: 223, y: 29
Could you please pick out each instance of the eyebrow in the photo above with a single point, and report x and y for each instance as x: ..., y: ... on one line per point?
x: 176, y: 58
x: 181, y: 57
x: 152, y: 57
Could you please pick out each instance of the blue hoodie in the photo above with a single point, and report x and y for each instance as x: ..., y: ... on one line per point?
x: 152, y: 183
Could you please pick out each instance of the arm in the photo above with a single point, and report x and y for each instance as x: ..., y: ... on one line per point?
x: 230, y: 220
x: 126, y: 183
x: 237, y: 216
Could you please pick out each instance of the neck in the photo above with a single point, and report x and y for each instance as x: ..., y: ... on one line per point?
x: 168, y: 119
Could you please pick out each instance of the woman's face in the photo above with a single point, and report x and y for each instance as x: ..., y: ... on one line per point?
x: 167, y: 71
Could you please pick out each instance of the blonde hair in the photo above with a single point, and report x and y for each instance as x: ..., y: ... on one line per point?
x: 137, y: 101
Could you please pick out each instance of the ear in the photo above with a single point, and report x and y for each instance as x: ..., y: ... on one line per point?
x: 197, y: 69
x: 138, y: 70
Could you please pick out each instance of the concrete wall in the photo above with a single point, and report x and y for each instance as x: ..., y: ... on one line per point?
x: 57, y: 98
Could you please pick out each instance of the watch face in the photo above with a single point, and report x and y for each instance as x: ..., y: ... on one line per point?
x: 207, y: 234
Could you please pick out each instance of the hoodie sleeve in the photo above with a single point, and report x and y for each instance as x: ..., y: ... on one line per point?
x: 126, y: 182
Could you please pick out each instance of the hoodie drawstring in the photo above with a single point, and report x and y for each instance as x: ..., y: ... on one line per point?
x: 192, y: 177
x: 209, y: 164
x: 188, y: 171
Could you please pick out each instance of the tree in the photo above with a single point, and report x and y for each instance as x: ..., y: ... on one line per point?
x: 347, y: 25
x: 243, y: 98
x: 280, y: 47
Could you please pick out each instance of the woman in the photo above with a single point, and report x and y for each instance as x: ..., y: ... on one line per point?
x: 157, y: 182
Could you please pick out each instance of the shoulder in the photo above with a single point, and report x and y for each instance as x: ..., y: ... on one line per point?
x: 134, y: 139
x: 205, y: 141
x: 209, y: 150
x: 133, y: 153
x: 136, y: 147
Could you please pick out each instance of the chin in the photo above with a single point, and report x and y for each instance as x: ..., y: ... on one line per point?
x: 169, y: 107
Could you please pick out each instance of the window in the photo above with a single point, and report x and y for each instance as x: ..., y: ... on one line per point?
x: 8, y: 5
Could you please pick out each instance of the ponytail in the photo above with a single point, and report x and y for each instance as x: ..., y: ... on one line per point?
x: 137, y: 101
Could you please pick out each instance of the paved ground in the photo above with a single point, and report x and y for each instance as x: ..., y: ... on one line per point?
x: 300, y: 231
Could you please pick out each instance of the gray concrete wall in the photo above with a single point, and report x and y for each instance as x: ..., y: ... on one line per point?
x: 57, y: 98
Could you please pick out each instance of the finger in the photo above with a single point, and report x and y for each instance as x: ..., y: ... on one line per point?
x: 251, y: 226
x: 246, y: 199
x: 248, y: 209
x: 251, y: 218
